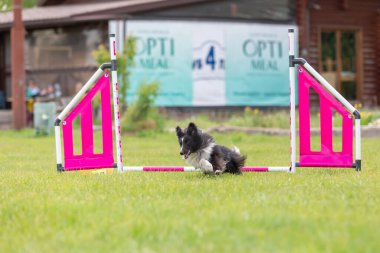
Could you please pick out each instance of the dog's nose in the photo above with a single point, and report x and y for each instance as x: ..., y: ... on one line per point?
x: 181, y: 153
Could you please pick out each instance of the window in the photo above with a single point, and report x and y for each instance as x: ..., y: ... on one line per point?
x: 339, y: 61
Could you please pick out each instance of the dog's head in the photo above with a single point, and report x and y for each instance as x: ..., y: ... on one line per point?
x: 189, y: 140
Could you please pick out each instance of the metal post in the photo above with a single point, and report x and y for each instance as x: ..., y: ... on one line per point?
x: 358, y: 155
x: 58, y: 150
x: 115, y: 93
x: 17, y: 67
x: 292, y: 103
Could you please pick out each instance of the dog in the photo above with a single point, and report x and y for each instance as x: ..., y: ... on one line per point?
x: 200, y: 150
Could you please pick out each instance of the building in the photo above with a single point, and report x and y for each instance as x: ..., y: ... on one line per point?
x: 338, y: 37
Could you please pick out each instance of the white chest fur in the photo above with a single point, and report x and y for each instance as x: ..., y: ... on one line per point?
x: 197, y: 159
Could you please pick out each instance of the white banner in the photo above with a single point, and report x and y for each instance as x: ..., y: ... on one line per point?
x: 209, y: 86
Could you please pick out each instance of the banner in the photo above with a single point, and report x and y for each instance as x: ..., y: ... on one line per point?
x: 209, y: 85
x: 209, y: 63
x: 163, y: 55
x: 257, y: 71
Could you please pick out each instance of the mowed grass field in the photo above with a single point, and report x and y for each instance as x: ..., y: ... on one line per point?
x: 314, y: 210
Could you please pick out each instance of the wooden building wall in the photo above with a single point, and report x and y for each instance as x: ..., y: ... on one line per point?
x: 364, y: 15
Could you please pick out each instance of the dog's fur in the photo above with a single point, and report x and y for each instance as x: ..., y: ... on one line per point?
x: 200, y: 150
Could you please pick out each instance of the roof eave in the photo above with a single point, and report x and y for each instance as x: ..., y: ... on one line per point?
x: 51, y: 23
x: 112, y: 13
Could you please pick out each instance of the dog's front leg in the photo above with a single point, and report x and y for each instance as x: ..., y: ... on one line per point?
x: 206, y: 166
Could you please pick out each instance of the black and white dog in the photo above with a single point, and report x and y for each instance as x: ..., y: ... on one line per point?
x: 200, y: 150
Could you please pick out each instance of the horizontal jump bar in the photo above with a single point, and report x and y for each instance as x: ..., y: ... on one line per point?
x: 186, y: 169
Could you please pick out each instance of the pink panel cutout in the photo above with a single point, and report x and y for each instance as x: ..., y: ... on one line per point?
x: 326, y: 157
x: 89, y: 160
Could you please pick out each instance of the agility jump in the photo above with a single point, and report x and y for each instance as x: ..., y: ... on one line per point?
x: 308, y: 78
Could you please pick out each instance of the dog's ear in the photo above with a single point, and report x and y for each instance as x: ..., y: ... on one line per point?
x: 192, y: 129
x: 179, y: 132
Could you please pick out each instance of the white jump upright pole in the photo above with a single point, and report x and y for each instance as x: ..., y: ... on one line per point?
x: 358, y: 152
x: 115, y: 94
x: 58, y: 150
x: 293, y: 132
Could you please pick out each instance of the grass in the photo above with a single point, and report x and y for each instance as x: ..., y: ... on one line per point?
x: 314, y: 210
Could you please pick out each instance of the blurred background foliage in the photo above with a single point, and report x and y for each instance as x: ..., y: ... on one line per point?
x: 142, y: 115
x: 6, y: 5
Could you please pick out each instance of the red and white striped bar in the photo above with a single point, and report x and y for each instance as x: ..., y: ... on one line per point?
x: 189, y: 169
x: 159, y: 168
x: 266, y: 169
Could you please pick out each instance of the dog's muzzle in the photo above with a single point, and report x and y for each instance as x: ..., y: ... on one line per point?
x: 185, y: 155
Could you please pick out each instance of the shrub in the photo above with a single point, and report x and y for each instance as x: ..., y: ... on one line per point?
x: 142, y: 115
x: 366, y: 118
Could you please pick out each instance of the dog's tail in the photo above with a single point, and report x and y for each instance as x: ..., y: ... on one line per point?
x: 237, y: 161
x: 236, y: 150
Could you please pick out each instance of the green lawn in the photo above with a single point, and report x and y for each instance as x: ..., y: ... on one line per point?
x: 314, y: 210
